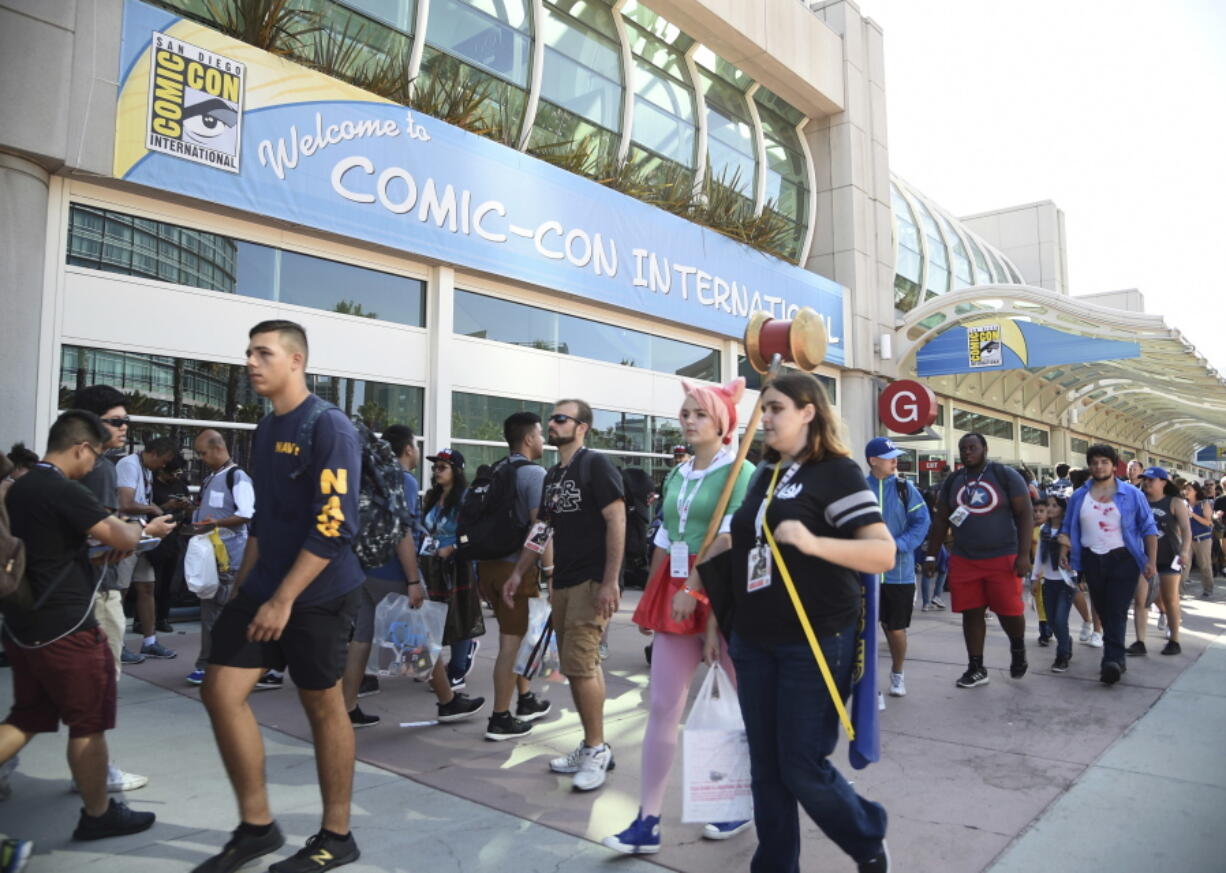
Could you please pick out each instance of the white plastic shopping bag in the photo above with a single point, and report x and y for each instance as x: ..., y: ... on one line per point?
x: 406, y: 641
x: 538, y: 618
x: 715, y: 754
x: 200, y: 567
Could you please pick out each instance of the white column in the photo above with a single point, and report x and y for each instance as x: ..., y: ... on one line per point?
x: 420, y: 24
x: 440, y: 315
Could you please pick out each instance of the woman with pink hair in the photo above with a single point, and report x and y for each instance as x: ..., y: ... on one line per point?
x: 674, y: 605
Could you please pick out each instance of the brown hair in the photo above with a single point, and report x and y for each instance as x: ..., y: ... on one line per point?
x: 825, y: 439
x: 581, y: 406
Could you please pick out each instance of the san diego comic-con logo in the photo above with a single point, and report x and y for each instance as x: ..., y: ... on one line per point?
x: 195, y: 104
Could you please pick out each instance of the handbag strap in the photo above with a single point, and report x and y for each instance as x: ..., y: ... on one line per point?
x: 808, y: 629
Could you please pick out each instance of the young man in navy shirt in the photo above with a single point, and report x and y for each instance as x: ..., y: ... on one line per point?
x: 297, y: 595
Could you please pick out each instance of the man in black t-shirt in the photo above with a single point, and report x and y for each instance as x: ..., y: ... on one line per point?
x: 63, y: 670
x: 583, y: 507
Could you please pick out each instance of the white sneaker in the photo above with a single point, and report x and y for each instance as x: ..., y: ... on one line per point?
x: 568, y: 763
x: 1162, y: 621
x: 593, y: 764
x: 1087, y: 629
x: 898, y: 688
x: 1096, y: 640
x: 880, y: 702
x: 119, y: 780
x: 7, y: 769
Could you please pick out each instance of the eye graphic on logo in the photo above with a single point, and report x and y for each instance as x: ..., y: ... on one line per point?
x: 208, y: 119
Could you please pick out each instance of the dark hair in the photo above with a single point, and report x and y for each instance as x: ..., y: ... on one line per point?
x: 22, y: 457
x: 290, y: 332
x: 459, y: 484
x: 98, y: 399
x: 1061, y: 470
x: 585, y: 411
x: 1062, y: 502
x: 1102, y: 450
x: 1077, y: 476
x: 519, y: 424
x: 74, y: 427
x: 824, y: 439
x: 399, y: 437
x: 983, y: 441
x: 1200, y: 489
x: 164, y: 447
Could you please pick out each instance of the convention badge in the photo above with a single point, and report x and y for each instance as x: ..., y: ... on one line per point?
x: 429, y: 546
x: 958, y: 516
x: 538, y: 537
x: 759, y: 574
x: 679, y: 561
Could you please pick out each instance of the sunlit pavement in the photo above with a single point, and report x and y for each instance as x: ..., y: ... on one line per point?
x: 1051, y: 772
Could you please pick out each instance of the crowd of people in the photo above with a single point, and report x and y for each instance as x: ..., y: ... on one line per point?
x: 292, y: 595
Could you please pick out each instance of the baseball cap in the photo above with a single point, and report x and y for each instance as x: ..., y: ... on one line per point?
x: 882, y: 447
x: 450, y: 456
x: 1156, y: 473
x: 680, y: 450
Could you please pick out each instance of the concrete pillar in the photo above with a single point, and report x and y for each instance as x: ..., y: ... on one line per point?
x: 23, y: 229
x: 440, y: 317
x: 858, y: 405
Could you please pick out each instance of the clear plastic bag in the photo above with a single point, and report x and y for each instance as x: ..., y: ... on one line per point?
x: 715, y: 755
x: 537, y: 658
x: 407, y: 641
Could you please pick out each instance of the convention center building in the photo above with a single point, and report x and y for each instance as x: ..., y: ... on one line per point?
x: 480, y: 206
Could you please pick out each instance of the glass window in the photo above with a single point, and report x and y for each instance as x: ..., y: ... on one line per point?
x: 962, y: 262
x: 491, y: 34
x: 663, y: 115
x: 999, y: 275
x: 983, y: 276
x: 485, y: 317
x: 582, y: 72
x: 787, y: 182
x: 731, y: 151
x: 989, y: 426
x: 753, y: 379
x: 1078, y: 446
x: 399, y: 14
x: 907, y: 267
x: 480, y: 416
x: 938, y: 257
x: 1034, y: 436
x: 205, y: 260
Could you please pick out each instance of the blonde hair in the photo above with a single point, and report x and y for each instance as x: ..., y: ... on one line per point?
x: 825, y: 439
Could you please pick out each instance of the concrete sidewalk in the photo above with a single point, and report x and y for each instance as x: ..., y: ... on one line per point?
x: 1053, y: 772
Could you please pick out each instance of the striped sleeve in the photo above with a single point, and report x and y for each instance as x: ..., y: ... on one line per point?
x: 849, y: 503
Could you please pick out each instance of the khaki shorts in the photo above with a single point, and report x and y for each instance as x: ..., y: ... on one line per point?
x: 579, y: 629
x: 492, y: 576
x: 134, y: 568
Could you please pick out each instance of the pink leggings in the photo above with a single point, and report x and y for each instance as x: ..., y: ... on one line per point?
x: 673, y: 661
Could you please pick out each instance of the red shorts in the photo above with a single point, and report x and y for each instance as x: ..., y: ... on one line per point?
x: 974, y: 584
x: 71, y: 680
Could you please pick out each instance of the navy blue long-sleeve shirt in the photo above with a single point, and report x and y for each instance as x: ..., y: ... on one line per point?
x: 317, y: 511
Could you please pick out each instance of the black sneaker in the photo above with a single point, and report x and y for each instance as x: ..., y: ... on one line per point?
x: 1137, y: 648
x: 879, y: 864
x: 530, y: 707
x: 360, y: 719
x: 973, y: 677
x: 165, y: 627
x: 242, y: 848
x: 117, y: 821
x: 1019, y: 665
x: 321, y: 852
x: 504, y: 726
x: 459, y: 707
x: 369, y: 686
x: 1172, y: 648
x: 271, y: 680
x: 1060, y: 665
x: 1111, y: 673
x: 1044, y: 641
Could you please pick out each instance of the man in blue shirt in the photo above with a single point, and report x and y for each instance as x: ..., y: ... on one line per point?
x: 297, y: 595
x: 906, y: 515
x: 1108, y: 535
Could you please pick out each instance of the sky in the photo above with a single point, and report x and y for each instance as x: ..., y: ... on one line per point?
x: 1112, y: 109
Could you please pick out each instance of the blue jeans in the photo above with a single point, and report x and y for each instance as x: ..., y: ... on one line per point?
x: 1112, y: 581
x: 461, y: 657
x: 792, y: 728
x: 932, y: 586
x: 1058, y: 600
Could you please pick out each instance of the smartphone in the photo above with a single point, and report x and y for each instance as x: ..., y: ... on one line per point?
x: 144, y: 545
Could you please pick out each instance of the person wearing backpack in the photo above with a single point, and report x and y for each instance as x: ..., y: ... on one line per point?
x: 295, y: 604
x: 63, y: 670
x: 227, y: 504
x: 497, y: 511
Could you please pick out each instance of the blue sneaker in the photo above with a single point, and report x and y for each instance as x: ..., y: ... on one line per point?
x: 641, y: 838
x: 157, y: 650
x: 196, y: 677
x: 724, y: 830
x: 14, y: 854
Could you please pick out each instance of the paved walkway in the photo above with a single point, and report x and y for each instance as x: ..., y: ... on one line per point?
x: 1053, y: 772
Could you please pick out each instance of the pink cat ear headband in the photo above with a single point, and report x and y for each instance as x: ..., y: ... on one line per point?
x: 719, y: 402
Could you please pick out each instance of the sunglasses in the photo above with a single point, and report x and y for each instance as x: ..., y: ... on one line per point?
x: 561, y: 418
x: 118, y: 422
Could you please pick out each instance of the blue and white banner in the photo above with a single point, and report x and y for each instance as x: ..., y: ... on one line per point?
x: 1009, y: 344
x: 206, y: 116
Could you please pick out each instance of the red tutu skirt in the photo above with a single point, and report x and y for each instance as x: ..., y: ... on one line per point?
x: 655, y: 609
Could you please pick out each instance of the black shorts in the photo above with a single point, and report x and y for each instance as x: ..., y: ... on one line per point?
x: 895, y: 604
x: 313, y: 644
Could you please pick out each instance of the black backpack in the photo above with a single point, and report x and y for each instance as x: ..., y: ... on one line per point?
x: 487, y: 527
x: 384, y: 518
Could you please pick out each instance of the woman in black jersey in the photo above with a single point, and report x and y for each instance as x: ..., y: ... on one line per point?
x: 828, y: 527
x: 1174, y: 553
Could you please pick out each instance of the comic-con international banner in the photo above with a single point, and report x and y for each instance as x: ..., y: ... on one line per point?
x: 207, y: 116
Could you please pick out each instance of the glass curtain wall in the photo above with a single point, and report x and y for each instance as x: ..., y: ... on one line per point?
x: 787, y: 182
x: 908, y: 264
x: 938, y: 257
x: 732, y: 154
x: 578, y: 122
x: 481, y: 50
x: 962, y: 277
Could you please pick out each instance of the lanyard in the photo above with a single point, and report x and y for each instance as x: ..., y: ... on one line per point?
x: 47, y: 465
x: 209, y: 481
x: 699, y: 476
x: 972, y: 487
x: 770, y: 493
